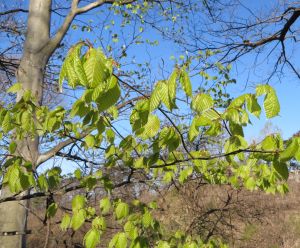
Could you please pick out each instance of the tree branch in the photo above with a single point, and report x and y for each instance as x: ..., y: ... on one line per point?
x: 11, y: 11
x: 55, y: 41
x: 49, y: 154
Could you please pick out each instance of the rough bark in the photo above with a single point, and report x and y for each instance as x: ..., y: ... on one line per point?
x: 31, y: 74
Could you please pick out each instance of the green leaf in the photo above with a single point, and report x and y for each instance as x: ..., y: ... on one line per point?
x: 62, y: 75
x: 12, y: 147
x: 90, y: 140
x: 271, y: 104
x: 234, y: 143
x: 130, y: 230
x: 196, y: 123
x: 110, y: 134
x: 6, y: 123
x: 65, y: 222
x: 105, y: 205
x: 140, y: 242
x: 68, y: 71
x: 52, y: 209
x: 139, y: 163
x: 164, y: 95
x: 150, y: 129
x: 211, y: 114
x: 281, y: 169
x: 202, y: 102
x: 78, y: 219
x: 172, y: 85
x: 239, y: 101
x: 232, y: 115
x: 78, y: 202
x: 139, y: 115
x: 92, y: 238
x: 253, y: 106
x: 194, y: 129
x: 236, y: 129
x: 162, y: 244
x: 118, y: 241
x: 214, y: 129
x: 147, y: 219
x: 159, y: 94
x: 99, y: 223
x: 122, y: 210
x: 250, y: 183
x: 13, y: 178
x: 17, y: 179
x: 78, y: 65
x: 14, y: 88
x: 97, y: 92
x: 262, y: 89
x: 77, y: 174
x: 290, y: 151
x: 109, y: 97
x: 185, y: 81
x: 297, y: 155
x: 42, y: 183
x: 270, y: 143
x: 184, y: 174
x: 95, y: 67
x: 170, y: 138
x: 155, y: 97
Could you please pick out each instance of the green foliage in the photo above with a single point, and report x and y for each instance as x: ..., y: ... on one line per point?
x: 185, y: 82
x: 157, y: 147
x: 121, y: 210
x: 271, y: 103
x: 105, y: 205
x: 91, y: 238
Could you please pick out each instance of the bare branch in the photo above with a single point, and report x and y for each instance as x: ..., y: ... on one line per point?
x: 55, y: 41
x: 49, y: 154
x: 11, y: 11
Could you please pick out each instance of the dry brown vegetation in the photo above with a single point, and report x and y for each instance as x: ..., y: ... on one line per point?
x: 239, y: 217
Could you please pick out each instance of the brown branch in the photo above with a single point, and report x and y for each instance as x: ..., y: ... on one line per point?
x: 11, y: 11
x: 289, y: 23
x: 49, y: 154
x: 279, y: 35
x: 221, y: 155
x: 60, y: 192
x: 60, y: 34
x: 24, y: 197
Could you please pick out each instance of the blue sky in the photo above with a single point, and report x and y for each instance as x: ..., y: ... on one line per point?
x: 288, y: 121
x: 288, y: 88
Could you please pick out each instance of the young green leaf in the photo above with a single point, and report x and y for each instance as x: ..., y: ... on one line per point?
x: 14, y: 88
x: 122, y: 210
x: 95, y: 68
x: 185, y: 81
x: 105, y: 205
x: 202, y: 102
x: 92, y: 238
x: 65, y: 222
x: 78, y: 219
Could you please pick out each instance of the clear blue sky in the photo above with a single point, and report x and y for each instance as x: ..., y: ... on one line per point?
x: 288, y: 89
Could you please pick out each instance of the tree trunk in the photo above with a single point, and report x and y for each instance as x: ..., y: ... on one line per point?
x: 31, y: 74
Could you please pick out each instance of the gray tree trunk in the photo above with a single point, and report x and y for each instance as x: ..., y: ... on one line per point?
x: 31, y: 74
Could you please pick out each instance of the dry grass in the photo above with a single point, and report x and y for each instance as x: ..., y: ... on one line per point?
x: 241, y: 218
